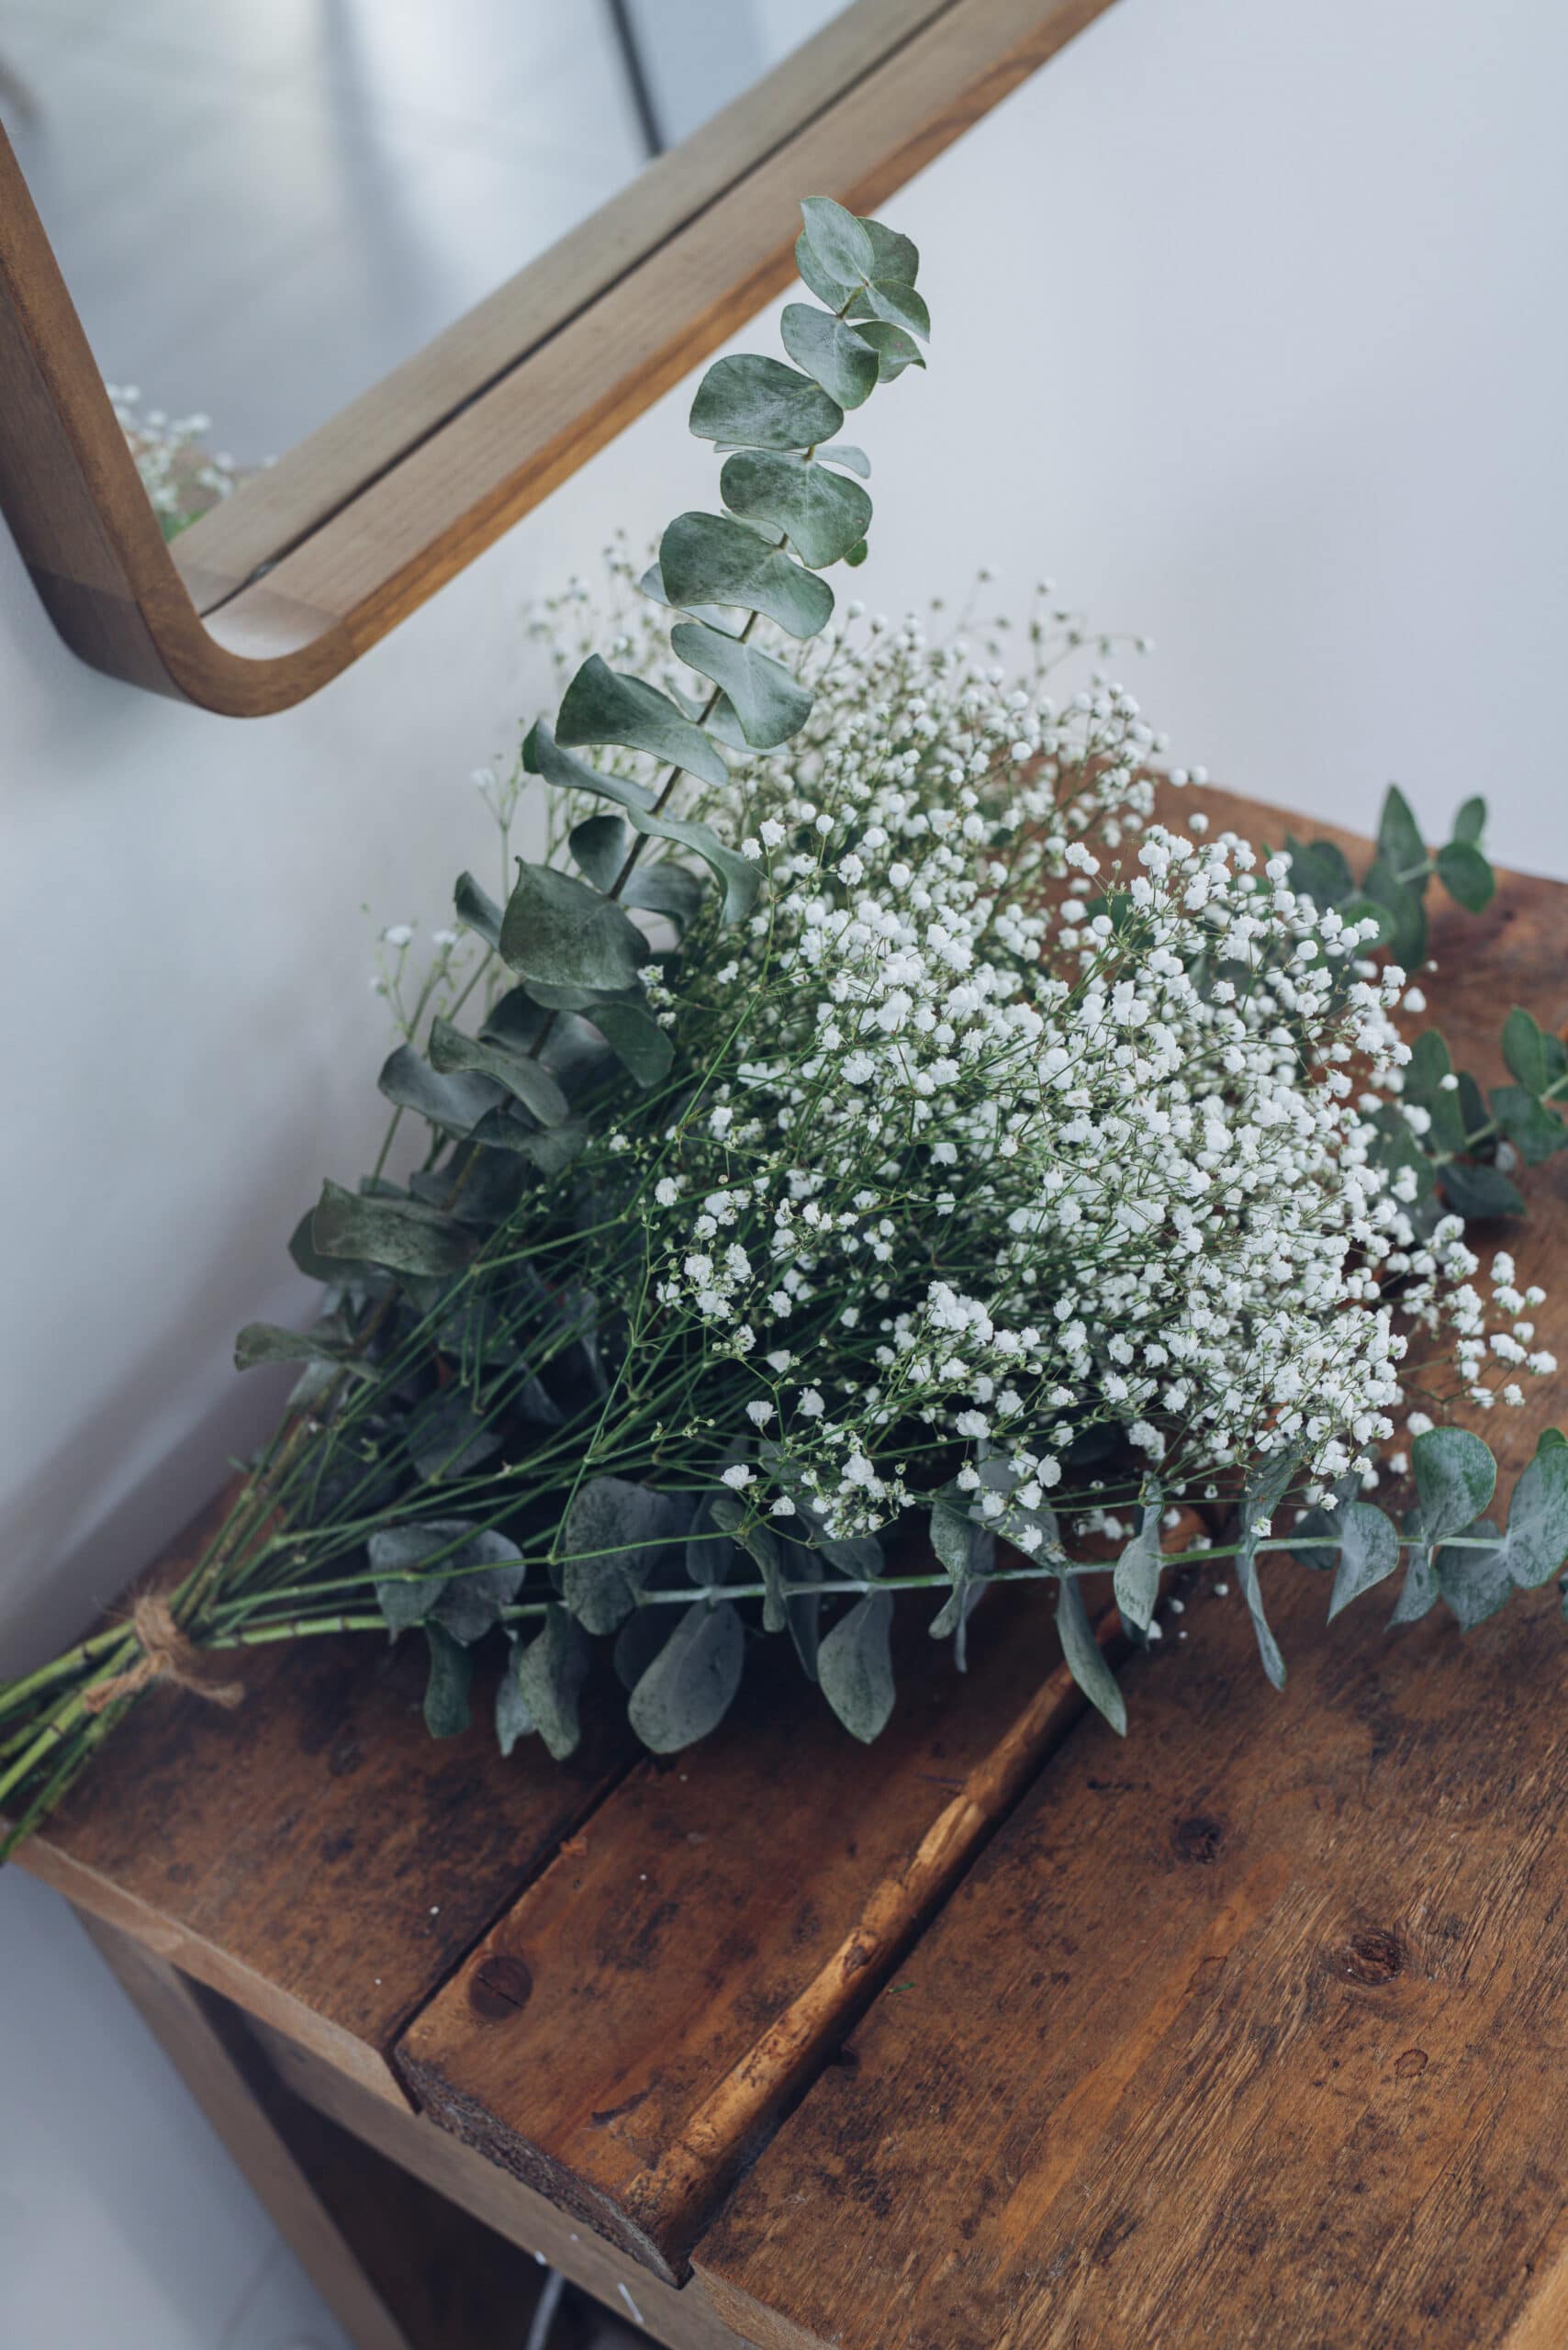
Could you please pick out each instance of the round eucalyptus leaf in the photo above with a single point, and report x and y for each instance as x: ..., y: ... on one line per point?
x: 855, y: 1667
x: 1455, y: 1475
x: 1475, y: 1583
x: 712, y: 558
x: 845, y: 453
x: 396, y: 1234
x: 838, y: 239
x: 1536, y: 1544
x: 1085, y: 1657
x: 823, y: 512
x: 1369, y: 1553
x: 519, y: 1074
x: 759, y: 403
x: 550, y: 1672
x: 741, y: 879
x: 832, y: 354
x: 895, y: 349
x: 1466, y: 876
x: 558, y: 929
x: 602, y: 705
x: 768, y: 702
x: 1137, y: 1577
x: 446, y: 1691
x: 1473, y: 1190
x: 637, y: 1040
x: 692, y: 1682
x: 898, y: 304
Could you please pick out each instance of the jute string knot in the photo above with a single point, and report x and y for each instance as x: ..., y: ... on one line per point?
x: 167, y: 1655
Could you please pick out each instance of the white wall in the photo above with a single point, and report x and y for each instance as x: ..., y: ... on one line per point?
x: 1248, y: 331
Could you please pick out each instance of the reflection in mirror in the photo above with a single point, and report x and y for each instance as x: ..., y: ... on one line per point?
x: 262, y: 207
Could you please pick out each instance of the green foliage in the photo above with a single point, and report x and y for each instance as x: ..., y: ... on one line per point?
x: 855, y: 1670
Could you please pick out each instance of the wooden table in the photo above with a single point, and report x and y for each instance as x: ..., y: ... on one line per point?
x: 1001, y: 2034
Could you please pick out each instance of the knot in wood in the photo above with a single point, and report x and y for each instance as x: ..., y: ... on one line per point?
x: 1373, y: 1956
x: 1198, y: 1839
x: 499, y: 1986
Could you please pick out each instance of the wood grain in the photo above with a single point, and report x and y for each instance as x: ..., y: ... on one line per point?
x: 624, y: 2037
x: 1247, y: 2030
x: 306, y: 568
x: 316, y: 1855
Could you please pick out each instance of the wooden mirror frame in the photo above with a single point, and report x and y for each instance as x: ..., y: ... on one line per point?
x: 275, y: 591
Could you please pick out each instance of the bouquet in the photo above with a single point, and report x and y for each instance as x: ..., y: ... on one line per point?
x: 866, y: 1159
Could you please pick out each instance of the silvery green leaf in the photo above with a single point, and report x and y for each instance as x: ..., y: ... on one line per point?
x: 551, y: 1149
x: 894, y: 257
x: 830, y: 352
x: 1405, y: 929
x: 599, y: 849
x: 514, y: 1718
x: 426, y: 1550
x: 1420, y: 1593
x: 712, y: 558
x: 446, y: 1691
x: 447, y: 1437
x: 558, y: 929
x: 1399, y: 842
x: 663, y: 887
x: 845, y: 453
x: 340, y: 1272
x: 1369, y: 1553
x: 637, y: 1040
x: 1466, y: 876
x: 394, y: 1233
x: 741, y: 879
x: 709, y: 1546
x: 1136, y: 1580
x: 968, y: 1553
x: 265, y: 1342
x: 1318, y: 871
x: 1536, y: 1544
x: 1252, y: 1592
x: 898, y: 304
x: 762, y: 1546
x: 604, y: 705
x: 760, y: 404
x: 519, y: 1074
x: 823, y: 512
x: 1524, y: 1049
x: 1534, y: 1131
x: 456, y: 1105
x: 477, y: 910
x: 550, y: 1672
x: 1475, y: 1583
x: 1314, y: 1541
x: 1085, y: 1657
x: 1455, y: 1477
x: 803, y: 1609
x: 855, y: 1667
x: 1471, y: 821
x: 857, y: 554
x: 895, y: 349
x: 611, y: 1544
x: 768, y: 702
x: 838, y: 239
x: 689, y: 1687
x: 1474, y: 1190
x: 729, y: 619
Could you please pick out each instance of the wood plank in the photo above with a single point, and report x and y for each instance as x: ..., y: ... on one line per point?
x: 1244, y: 2030
x: 387, y: 520
x: 632, y: 2025
x: 682, y: 2319
x: 315, y: 1854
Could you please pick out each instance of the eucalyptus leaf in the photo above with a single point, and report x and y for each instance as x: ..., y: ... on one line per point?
x: 1475, y: 1583
x: 604, y: 705
x: 611, y: 1544
x: 1252, y: 1592
x: 1319, y: 871
x: 895, y: 349
x: 519, y: 1074
x: 1530, y: 1126
x: 1136, y: 1580
x: 1466, y: 876
x: 394, y: 1233
x: 1407, y: 931
x: 1524, y: 1049
x: 1420, y: 1593
x: 830, y: 352
x: 740, y: 878
x: 637, y: 1040
x: 551, y: 1149
x: 447, y: 1437
x: 456, y: 1105
x: 550, y: 1672
x: 1399, y: 842
x: 845, y: 453
x: 1369, y: 1553
x: 446, y: 1691
x: 690, y: 1684
x: 758, y: 403
x: 558, y: 929
x: 598, y: 847
x: 1085, y: 1657
x: 824, y: 513
x: 477, y: 910
x: 1455, y: 1477
x: 712, y: 558
x: 768, y: 702
x: 1473, y: 1190
x: 514, y: 1719
x: 1471, y: 821
x: 839, y: 241
x: 265, y: 1342
x: 1535, y: 1545
x: 899, y: 305
x: 855, y: 1667
x: 709, y: 1545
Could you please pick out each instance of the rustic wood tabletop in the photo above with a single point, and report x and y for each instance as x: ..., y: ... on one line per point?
x: 1001, y: 2034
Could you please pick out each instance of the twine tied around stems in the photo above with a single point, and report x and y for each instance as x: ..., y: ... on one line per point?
x: 167, y: 1655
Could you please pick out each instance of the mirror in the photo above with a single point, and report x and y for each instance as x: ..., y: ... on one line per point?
x: 262, y: 207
